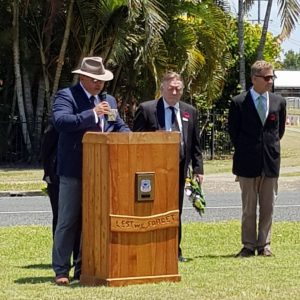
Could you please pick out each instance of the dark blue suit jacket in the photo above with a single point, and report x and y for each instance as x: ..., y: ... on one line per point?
x: 257, y: 146
x: 73, y: 116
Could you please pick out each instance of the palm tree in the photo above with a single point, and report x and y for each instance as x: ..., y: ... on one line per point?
x: 262, y: 42
x: 18, y: 79
x: 195, y: 43
x: 242, y: 73
x: 138, y: 39
x: 125, y: 34
x: 289, y: 12
x: 62, y: 52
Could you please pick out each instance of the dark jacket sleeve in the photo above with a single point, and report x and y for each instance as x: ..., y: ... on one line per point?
x: 282, y: 118
x: 234, y: 122
x: 49, y: 154
x: 196, y: 155
x: 139, y: 120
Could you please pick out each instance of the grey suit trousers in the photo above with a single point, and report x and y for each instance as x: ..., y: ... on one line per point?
x: 68, y: 224
x: 263, y: 191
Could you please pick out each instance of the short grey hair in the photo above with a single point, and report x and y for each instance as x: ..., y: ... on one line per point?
x: 259, y: 66
x: 169, y: 76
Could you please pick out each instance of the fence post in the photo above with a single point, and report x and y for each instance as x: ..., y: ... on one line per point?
x: 212, y: 146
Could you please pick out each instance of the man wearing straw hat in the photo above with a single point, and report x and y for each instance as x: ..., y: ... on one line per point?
x: 76, y: 110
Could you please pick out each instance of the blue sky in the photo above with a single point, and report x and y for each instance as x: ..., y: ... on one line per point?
x: 293, y: 42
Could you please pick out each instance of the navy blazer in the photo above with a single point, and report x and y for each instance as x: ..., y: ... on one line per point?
x: 257, y: 146
x: 150, y: 116
x: 73, y: 116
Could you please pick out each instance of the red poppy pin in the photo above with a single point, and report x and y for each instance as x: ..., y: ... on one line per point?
x: 272, y: 117
x: 186, y: 115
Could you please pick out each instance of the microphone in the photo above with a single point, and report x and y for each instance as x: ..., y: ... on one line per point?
x: 102, y: 96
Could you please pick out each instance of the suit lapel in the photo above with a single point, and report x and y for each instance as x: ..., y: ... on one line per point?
x: 81, y: 101
x: 184, y: 116
x: 160, y: 114
x: 272, y: 105
x: 249, y: 101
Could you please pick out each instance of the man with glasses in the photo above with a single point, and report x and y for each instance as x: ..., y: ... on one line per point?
x: 169, y: 113
x: 256, y: 123
x: 76, y: 110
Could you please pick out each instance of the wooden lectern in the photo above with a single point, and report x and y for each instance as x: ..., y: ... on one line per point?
x: 130, y: 208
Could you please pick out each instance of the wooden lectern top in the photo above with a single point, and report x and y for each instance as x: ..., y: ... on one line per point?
x: 157, y: 137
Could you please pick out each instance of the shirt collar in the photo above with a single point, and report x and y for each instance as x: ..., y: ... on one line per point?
x: 255, y: 94
x: 166, y: 105
x: 87, y: 93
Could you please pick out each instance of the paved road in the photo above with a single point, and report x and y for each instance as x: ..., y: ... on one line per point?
x: 222, y: 196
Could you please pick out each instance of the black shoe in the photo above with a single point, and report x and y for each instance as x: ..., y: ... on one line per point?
x: 264, y: 252
x: 77, y: 274
x: 77, y: 270
x: 76, y: 277
x: 182, y: 259
x: 245, y: 252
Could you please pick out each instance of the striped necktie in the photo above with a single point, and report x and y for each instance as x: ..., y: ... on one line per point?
x: 92, y: 100
x: 261, y: 108
x: 175, y: 126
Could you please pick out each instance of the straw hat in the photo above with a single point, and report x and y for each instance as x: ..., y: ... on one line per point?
x: 93, y: 67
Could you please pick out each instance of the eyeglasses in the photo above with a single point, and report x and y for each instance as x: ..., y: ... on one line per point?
x: 267, y: 78
x: 92, y: 79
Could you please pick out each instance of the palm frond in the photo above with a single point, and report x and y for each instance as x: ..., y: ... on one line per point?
x: 289, y: 11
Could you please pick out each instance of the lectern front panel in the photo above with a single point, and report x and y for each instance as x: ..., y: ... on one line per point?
x: 124, y: 240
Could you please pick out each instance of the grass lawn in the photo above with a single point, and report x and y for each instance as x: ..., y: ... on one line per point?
x: 21, y: 180
x: 212, y: 272
x: 290, y: 155
x: 290, y: 145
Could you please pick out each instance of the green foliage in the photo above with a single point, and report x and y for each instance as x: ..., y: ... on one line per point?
x: 192, y: 44
x: 139, y: 40
x: 193, y: 190
x: 291, y: 61
x: 252, y: 35
x: 220, y: 105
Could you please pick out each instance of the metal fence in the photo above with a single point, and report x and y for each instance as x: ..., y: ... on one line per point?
x: 293, y: 102
x: 12, y: 144
x: 215, y: 142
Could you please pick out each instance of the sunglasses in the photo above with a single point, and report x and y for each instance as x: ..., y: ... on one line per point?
x: 266, y: 78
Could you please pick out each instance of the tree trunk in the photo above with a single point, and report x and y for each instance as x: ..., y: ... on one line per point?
x: 28, y: 101
x: 39, y: 117
x: 241, y: 45
x: 12, y: 113
x: 263, y: 38
x: 18, y: 79
x: 61, y: 58
x: 46, y: 81
x: 84, y: 51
